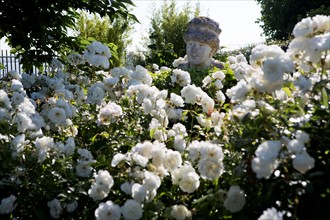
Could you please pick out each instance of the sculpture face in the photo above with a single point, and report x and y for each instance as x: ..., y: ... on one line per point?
x: 199, y: 54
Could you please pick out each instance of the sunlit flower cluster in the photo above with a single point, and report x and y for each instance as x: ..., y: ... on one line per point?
x: 271, y: 213
x: 265, y: 162
x: 311, y: 44
x: 102, y: 185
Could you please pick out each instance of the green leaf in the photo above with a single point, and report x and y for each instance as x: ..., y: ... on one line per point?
x: 85, y: 42
x: 128, y: 2
x: 152, y: 133
x: 94, y: 138
x: 202, y: 199
x: 325, y: 98
x: 287, y: 91
x: 91, y: 39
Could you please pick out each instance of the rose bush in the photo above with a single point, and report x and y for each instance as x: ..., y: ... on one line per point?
x: 246, y: 142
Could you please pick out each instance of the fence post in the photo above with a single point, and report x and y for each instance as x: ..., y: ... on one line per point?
x: 12, y: 62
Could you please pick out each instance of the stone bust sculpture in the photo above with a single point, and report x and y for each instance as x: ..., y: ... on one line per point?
x: 202, y: 42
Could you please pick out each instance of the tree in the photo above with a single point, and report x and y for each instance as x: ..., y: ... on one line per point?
x: 167, y: 27
x: 37, y: 30
x: 116, y: 32
x: 278, y: 17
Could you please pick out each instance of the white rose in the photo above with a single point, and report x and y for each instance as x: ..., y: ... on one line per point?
x: 303, y: 28
x: 210, y: 169
x: 139, y: 159
x: 218, y: 75
x: 132, y: 210
x: 177, y: 100
x: 178, y: 173
x: 104, y: 178
x: 117, y: 158
x: 70, y: 207
x: 211, y: 151
x: 206, y: 81
x: 220, y: 96
x: 302, y: 136
x: 235, y: 199
x: 57, y: 115
x: 204, y: 121
x: 139, y: 192
x: 238, y: 92
x: 189, y: 182
x: 218, y: 84
x: 151, y: 181
x: 268, y: 150
x: 303, y: 162
x: 295, y: 146
x: 55, y: 208
x: 7, y: 205
x: 271, y: 213
x: 273, y: 71
x: 108, y: 210
x: 263, y: 167
x: 180, y: 212
x: 98, y: 192
x: 179, y: 143
x: 181, y: 77
x: 172, y: 159
x: 207, y: 104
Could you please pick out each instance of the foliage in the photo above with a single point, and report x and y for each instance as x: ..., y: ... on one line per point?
x: 135, y: 58
x: 288, y: 13
x: 249, y: 141
x: 116, y: 32
x: 38, y: 30
x: 168, y: 24
x: 245, y: 51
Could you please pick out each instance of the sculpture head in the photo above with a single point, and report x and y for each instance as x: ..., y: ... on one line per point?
x: 202, y: 41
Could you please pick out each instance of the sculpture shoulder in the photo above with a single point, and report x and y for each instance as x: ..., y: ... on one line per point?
x: 217, y: 64
x: 183, y: 65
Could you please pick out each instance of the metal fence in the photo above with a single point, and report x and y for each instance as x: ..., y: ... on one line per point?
x: 9, y: 61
